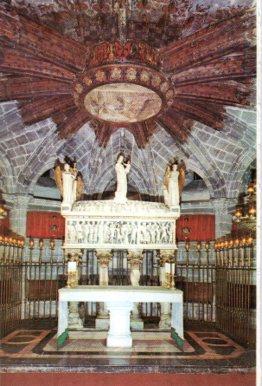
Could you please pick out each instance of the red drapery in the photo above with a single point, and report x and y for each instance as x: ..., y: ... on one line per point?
x: 45, y: 225
x: 199, y: 227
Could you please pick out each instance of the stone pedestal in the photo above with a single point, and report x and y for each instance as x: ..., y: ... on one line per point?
x: 119, y: 334
x: 102, y: 319
x: 135, y: 259
x: 104, y: 257
x: 165, y: 318
x: 74, y: 320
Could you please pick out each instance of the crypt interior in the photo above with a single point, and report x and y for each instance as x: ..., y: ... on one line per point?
x: 128, y: 187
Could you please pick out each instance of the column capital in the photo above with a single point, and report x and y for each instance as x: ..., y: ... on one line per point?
x: 223, y: 218
x: 222, y: 204
x: 104, y: 256
x: 166, y: 256
x: 135, y: 258
x: 18, y: 204
x: 74, y: 255
x: 21, y: 199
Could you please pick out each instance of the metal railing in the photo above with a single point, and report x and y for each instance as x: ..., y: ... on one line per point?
x: 10, y: 285
x: 218, y: 283
x: 236, y: 289
x: 46, y: 271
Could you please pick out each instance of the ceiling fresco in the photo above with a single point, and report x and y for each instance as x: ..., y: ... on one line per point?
x: 182, y: 61
x: 122, y: 102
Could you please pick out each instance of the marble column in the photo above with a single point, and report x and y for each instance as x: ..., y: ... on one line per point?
x: 135, y: 258
x: 103, y: 256
x: 166, y: 281
x: 74, y: 320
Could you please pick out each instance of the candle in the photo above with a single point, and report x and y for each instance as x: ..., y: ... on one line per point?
x: 167, y: 268
x: 71, y: 266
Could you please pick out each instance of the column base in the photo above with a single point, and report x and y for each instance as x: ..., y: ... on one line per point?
x: 102, y: 323
x: 165, y: 322
x: 137, y: 324
x: 74, y: 321
x: 119, y: 341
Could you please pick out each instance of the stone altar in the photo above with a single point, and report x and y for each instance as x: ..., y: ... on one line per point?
x: 119, y: 301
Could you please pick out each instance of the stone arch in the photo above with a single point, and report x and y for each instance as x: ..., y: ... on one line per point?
x: 42, y: 160
x: 191, y: 165
x: 236, y: 176
x: 206, y: 168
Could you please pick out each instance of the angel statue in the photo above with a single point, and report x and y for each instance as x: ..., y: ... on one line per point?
x: 165, y: 183
x: 182, y: 176
x: 174, y: 180
x: 122, y: 168
x: 69, y: 181
x: 80, y: 186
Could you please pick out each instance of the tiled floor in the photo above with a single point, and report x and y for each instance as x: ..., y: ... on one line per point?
x: 206, y: 350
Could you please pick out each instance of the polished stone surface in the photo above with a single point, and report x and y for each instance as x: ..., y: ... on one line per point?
x: 206, y: 350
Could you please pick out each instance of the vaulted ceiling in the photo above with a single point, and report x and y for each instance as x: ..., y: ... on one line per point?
x: 205, y: 54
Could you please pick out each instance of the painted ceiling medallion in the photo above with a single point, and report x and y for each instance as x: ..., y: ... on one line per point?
x: 122, y: 102
x: 122, y: 83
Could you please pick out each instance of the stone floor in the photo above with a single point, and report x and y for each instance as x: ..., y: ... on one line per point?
x: 205, y: 350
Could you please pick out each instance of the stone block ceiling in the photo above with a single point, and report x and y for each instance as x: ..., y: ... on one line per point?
x: 204, y: 50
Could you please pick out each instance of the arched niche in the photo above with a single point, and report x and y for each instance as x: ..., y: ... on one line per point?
x: 45, y: 187
x: 195, y: 188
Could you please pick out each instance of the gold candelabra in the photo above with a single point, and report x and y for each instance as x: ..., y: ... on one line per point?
x: 3, y: 211
x: 245, y: 213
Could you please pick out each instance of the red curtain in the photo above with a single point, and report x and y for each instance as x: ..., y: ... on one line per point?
x: 45, y: 225
x: 189, y: 227
x: 199, y: 227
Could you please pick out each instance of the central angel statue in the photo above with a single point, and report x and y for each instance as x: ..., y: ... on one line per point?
x: 69, y: 181
x: 122, y: 168
x: 174, y: 181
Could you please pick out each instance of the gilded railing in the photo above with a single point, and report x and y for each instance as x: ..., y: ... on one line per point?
x: 218, y: 282
x: 236, y: 288
x: 11, y: 249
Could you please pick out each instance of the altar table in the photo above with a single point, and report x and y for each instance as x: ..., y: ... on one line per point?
x: 119, y: 301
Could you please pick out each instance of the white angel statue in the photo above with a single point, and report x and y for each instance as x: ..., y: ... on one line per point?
x: 122, y: 169
x: 174, y: 181
x: 69, y: 181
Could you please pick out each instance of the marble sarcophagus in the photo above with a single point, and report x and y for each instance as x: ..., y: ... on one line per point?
x: 106, y: 224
